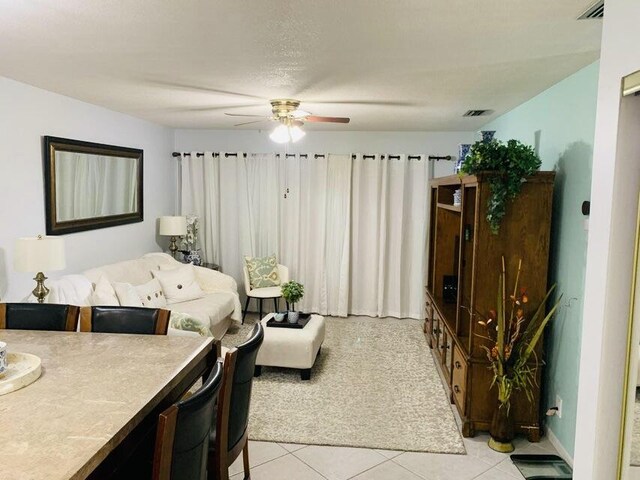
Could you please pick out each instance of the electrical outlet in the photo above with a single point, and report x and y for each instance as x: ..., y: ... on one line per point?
x: 559, y: 405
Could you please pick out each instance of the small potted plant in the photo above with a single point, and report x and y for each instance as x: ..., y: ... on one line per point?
x: 511, y: 343
x: 292, y: 292
x: 507, y: 166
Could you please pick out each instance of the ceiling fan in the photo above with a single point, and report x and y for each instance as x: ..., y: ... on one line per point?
x: 290, y: 118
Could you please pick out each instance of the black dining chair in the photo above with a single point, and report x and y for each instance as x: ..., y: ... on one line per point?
x: 39, y: 316
x: 138, y: 320
x: 182, y: 439
x: 231, y: 428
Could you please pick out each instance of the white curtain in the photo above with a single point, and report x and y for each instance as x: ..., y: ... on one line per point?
x: 352, y: 231
x: 389, y: 235
x: 200, y: 195
x: 315, y: 229
x: 236, y: 199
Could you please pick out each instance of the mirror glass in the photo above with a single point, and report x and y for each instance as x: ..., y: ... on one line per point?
x: 91, y: 185
x: 628, y: 147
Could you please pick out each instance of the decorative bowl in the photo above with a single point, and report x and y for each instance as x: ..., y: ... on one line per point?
x: 278, y: 317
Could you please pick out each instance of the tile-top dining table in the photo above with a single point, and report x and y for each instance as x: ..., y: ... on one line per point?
x: 96, y: 402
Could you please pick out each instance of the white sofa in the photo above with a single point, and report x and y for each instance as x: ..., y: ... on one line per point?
x: 215, y: 310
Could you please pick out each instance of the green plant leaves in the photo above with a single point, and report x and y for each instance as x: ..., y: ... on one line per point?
x: 509, y: 165
x: 292, y: 291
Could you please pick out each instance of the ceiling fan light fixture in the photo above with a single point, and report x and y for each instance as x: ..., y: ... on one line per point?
x: 286, y: 133
x: 296, y: 133
x: 280, y: 134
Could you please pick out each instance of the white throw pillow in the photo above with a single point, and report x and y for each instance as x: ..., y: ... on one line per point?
x: 179, y: 284
x: 127, y: 295
x: 151, y: 294
x: 103, y: 294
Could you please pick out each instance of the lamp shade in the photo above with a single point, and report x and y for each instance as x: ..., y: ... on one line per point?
x: 173, y: 226
x: 39, y: 254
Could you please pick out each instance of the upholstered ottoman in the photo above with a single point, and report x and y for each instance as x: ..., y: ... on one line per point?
x: 291, y: 347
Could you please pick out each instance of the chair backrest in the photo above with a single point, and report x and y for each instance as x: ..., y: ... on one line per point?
x: 235, y: 399
x: 39, y: 316
x: 283, y: 273
x: 140, y: 320
x: 182, y: 440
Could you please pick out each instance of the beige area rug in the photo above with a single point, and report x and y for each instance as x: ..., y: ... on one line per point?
x: 374, y: 385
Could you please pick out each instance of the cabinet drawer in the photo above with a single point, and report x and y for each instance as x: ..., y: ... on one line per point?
x: 459, y: 378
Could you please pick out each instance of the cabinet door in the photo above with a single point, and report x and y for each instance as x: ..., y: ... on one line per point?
x: 459, y: 379
x: 437, y: 334
x: 446, y: 347
x: 428, y: 322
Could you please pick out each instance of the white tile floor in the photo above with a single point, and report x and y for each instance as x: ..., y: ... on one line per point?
x: 274, y: 461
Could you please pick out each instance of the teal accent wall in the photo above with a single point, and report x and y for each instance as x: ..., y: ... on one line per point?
x: 560, y: 124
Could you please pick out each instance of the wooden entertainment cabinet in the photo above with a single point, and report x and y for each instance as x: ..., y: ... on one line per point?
x: 465, y: 257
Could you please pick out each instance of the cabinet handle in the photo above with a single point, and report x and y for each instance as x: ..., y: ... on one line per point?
x: 458, y: 365
x: 456, y: 389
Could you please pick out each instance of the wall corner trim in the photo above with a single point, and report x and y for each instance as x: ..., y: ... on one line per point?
x: 558, y: 446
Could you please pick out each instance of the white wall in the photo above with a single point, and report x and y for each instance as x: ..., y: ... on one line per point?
x: 256, y: 141
x: 27, y: 114
x: 614, y: 195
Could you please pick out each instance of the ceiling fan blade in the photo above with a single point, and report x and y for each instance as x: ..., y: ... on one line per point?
x: 300, y: 113
x: 204, y: 108
x: 247, y: 123
x: 383, y: 103
x: 316, y: 118
x: 244, y: 115
x: 185, y: 86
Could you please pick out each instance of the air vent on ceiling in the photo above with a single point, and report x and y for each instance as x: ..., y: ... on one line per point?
x: 594, y: 11
x: 477, y: 113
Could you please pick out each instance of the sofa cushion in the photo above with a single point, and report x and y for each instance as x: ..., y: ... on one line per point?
x: 135, y: 272
x: 103, y: 294
x: 127, y: 295
x: 151, y: 294
x: 179, y: 284
x: 69, y: 289
x: 211, y: 310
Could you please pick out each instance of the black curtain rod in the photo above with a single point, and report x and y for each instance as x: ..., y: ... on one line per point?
x: 304, y: 155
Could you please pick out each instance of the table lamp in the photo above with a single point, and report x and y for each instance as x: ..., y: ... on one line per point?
x: 39, y: 254
x: 173, y: 227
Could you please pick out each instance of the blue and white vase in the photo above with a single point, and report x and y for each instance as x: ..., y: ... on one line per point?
x: 193, y: 257
x: 487, y: 135
x: 463, y: 152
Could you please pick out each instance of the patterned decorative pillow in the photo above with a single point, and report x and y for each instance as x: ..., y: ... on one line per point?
x: 182, y: 321
x: 263, y: 271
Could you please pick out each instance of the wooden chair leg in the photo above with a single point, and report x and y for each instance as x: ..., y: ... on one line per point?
x: 245, y: 460
x: 246, y: 307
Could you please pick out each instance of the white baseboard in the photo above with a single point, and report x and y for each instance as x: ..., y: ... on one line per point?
x: 558, y: 446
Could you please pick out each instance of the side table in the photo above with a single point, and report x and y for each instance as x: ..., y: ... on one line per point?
x: 211, y: 266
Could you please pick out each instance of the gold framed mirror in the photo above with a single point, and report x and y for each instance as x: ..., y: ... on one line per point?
x: 628, y: 147
x: 91, y: 185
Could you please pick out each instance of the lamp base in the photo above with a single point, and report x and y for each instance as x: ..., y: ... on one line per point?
x: 173, y: 247
x: 40, y: 292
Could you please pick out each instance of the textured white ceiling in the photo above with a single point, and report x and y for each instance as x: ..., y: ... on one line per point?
x: 388, y: 64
